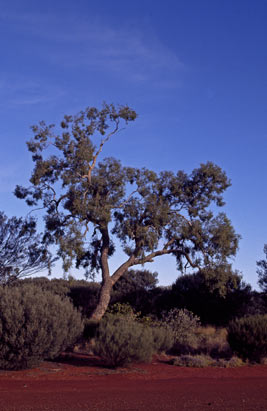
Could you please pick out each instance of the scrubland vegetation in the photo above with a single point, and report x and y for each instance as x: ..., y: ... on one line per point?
x: 207, y: 317
x: 40, y: 318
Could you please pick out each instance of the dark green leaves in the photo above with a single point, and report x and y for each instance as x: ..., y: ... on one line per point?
x: 150, y: 214
x: 21, y: 250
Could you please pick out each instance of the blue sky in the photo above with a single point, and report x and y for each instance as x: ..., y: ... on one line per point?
x: 195, y: 71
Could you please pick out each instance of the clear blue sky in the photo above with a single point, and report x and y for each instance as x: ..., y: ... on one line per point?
x: 195, y: 71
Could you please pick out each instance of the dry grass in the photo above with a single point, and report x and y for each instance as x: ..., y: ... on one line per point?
x: 213, y: 342
x: 202, y: 361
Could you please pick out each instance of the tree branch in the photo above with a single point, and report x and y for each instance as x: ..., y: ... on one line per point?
x: 126, y: 201
x: 92, y: 165
x: 165, y: 250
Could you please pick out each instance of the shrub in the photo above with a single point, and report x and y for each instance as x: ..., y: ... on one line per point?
x: 84, y: 296
x: 201, y: 361
x: 213, y: 341
x: 197, y: 361
x: 232, y: 362
x: 247, y: 337
x: 183, y: 324
x: 121, y: 340
x: 57, y: 286
x: 34, y: 325
x: 163, y: 338
x: 124, y: 309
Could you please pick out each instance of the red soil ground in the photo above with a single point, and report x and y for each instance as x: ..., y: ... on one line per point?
x: 80, y: 382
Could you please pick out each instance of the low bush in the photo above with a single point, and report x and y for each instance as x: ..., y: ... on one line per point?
x: 183, y: 324
x: 57, y: 286
x: 124, y: 309
x: 247, y: 337
x: 35, y: 325
x: 213, y: 341
x: 197, y: 361
x: 163, y: 338
x: 202, y: 361
x: 84, y: 296
x: 121, y: 340
x: 229, y: 363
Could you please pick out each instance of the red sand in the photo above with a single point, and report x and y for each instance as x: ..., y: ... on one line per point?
x: 82, y: 383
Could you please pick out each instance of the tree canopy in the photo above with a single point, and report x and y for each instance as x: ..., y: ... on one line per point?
x: 21, y: 250
x: 91, y: 206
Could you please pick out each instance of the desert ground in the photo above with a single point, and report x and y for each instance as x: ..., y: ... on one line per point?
x: 81, y: 382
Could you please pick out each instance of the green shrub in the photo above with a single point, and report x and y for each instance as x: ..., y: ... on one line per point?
x: 84, y: 296
x: 57, y: 286
x: 123, y: 309
x: 247, y: 337
x: 34, y: 325
x: 163, y: 338
x: 121, y: 340
x: 183, y: 324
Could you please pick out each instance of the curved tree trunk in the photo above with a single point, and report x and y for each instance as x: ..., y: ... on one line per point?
x: 104, y: 299
x: 107, y: 280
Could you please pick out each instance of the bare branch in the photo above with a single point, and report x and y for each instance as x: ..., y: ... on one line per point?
x: 165, y: 250
x: 86, y: 229
x: 126, y: 201
x: 34, y: 209
x: 92, y: 165
x: 181, y: 215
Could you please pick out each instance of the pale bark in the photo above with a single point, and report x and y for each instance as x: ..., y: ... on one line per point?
x: 109, y: 280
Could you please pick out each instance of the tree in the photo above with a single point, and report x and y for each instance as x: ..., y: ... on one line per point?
x: 137, y: 288
x: 215, y: 296
x: 262, y: 271
x: 149, y: 214
x: 21, y: 250
x: 136, y: 280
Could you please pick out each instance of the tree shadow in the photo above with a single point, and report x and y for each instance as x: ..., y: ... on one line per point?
x: 80, y: 360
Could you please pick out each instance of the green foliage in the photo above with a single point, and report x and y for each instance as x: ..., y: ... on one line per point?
x: 21, y: 250
x: 248, y: 337
x: 123, y: 309
x: 221, y: 280
x: 84, y: 295
x: 136, y: 280
x: 163, y: 338
x: 34, y: 325
x: 120, y: 341
x: 183, y: 325
x: 150, y: 214
x: 56, y: 286
x: 215, y: 296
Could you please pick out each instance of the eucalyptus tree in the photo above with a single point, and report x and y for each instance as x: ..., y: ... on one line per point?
x: 21, y: 250
x: 93, y: 207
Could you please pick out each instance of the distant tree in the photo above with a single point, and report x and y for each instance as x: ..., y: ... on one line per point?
x: 89, y: 203
x: 21, y: 251
x: 215, y: 296
x: 262, y: 271
x: 136, y: 280
x: 137, y: 288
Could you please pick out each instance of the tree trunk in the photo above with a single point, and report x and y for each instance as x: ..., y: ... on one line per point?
x: 106, y: 286
x: 104, y: 299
